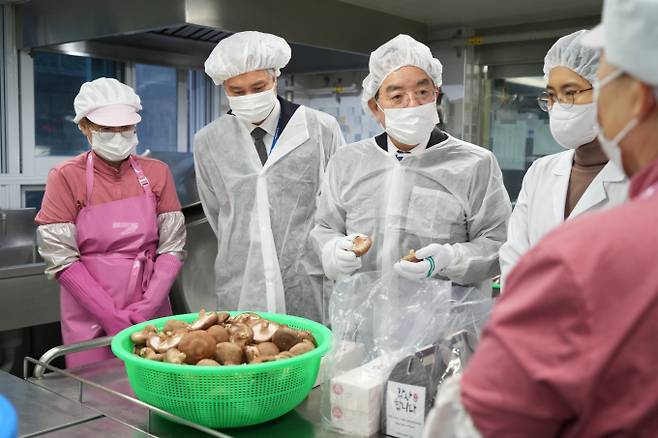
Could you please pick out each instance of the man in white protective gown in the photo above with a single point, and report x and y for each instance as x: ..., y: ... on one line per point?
x: 259, y: 170
x: 414, y: 187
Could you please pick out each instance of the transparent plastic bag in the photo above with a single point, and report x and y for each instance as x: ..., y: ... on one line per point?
x: 378, y: 322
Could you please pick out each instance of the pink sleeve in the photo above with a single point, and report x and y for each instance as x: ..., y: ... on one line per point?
x: 58, y: 203
x: 529, y: 373
x: 168, y: 198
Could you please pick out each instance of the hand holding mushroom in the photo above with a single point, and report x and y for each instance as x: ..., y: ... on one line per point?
x: 425, y: 262
x: 340, y: 256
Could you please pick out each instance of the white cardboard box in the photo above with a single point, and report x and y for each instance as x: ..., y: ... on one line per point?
x: 349, y: 355
x: 357, y: 397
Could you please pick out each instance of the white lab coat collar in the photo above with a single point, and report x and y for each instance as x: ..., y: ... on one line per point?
x: 595, y: 193
x: 294, y: 134
x: 563, y: 167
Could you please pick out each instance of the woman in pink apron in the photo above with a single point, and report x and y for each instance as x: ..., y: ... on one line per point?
x: 110, y: 226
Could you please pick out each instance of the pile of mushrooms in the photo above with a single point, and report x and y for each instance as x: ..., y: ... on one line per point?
x: 216, y: 338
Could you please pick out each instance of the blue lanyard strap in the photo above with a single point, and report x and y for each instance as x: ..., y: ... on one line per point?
x: 277, y: 133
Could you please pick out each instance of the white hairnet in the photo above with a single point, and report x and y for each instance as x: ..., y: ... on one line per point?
x: 244, y: 52
x: 106, y: 93
x: 569, y: 52
x: 628, y: 34
x: 399, y: 52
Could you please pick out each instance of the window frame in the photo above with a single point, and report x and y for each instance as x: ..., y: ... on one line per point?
x: 23, y: 167
x: 30, y: 188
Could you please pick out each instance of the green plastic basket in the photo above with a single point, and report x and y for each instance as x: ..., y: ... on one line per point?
x: 226, y: 396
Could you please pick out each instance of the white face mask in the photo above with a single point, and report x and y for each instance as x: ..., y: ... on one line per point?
x: 575, y: 126
x: 114, y: 146
x: 412, y: 125
x: 253, y: 108
x: 611, y: 147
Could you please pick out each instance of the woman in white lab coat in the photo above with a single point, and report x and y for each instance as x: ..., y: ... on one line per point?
x: 567, y: 184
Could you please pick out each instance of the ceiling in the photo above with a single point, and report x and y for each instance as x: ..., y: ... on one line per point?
x: 474, y: 13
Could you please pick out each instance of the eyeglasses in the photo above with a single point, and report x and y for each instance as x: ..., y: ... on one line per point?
x: 546, y: 100
x: 401, y: 99
x: 108, y: 134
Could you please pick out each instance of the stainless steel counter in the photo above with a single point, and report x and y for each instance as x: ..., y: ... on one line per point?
x: 27, y: 297
x: 103, y: 414
x: 39, y: 410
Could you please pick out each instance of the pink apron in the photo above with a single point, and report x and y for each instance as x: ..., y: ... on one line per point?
x: 117, y: 242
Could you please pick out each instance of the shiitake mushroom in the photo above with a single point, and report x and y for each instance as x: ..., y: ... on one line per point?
x: 154, y: 340
x: 228, y: 353
x: 251, y: 353
x: 222, y: 317
x: 247, y: 318
x: 197, y: 345
x: 139, y: 338
x: 174, y: 355
x: 305, y: 335
x: 268, y: 349
x: 176, y: 325
x: 411, y: 257
x: 264, y: 330
x: 240, y: 334
x: 361, y: 245
x: 301, y: 348
x: 204, y: 321
x: 284, y: 355
x: 163, y: 342
x: 207, y: 363
x: 219, y: 333
x: 149, y: 353
x: 285, y: 338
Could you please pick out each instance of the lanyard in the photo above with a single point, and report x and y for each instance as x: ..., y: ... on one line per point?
x: 277, y: 133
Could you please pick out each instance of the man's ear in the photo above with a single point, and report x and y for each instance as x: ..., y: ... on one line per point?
x: 647, y: 102
x: 372, y: 104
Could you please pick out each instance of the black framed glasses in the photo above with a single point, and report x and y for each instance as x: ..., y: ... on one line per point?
x: 566, y: 100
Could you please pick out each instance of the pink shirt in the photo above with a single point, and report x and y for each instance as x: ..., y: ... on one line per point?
x: 66, y: 187
x: 571, y: 349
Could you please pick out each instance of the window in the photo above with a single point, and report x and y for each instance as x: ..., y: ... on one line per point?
x: 33, y: 196
x: 57, y: 80
x: 202, y: 105
x: 157, y: 88
x: 516, y: 129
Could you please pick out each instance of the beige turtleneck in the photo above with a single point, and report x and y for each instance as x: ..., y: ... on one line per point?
x: 588, y: 161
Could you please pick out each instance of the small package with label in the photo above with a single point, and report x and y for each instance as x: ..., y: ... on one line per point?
x: 357, y: 396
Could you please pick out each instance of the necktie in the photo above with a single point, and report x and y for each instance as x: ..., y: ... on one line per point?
x: 401, y: 154
x: 258, y: 135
